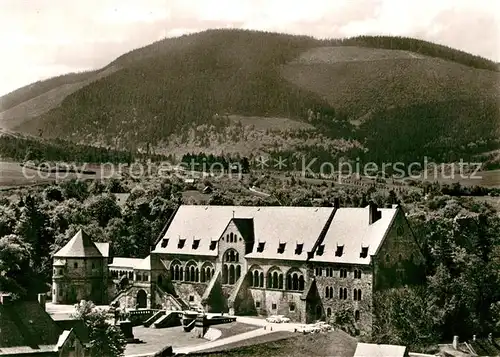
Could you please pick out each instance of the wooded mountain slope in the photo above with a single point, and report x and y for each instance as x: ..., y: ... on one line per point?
x: 401, y: 98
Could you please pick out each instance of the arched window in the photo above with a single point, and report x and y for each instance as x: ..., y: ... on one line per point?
x: 301, y: 283
x: 295, y: 280
x: 206, y: 272
x: 176, y: 271
x: 275, y: 278
x: 357, y: 274
x: 356, y: 315
x: 231, y: 237
x: 224, y: 274
x: 327, y: 292
x: 328, y: 312
x: 261, y: 279
x: 192, y: 273
x: 238, y: 272
x: 255, y: 280
x: 231, y: 256
x: 197, y: 275
x: 231, y: 274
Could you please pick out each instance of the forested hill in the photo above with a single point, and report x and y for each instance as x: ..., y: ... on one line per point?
x: 350, y: 86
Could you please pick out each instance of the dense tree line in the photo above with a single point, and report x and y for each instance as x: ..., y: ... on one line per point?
x: 422, y: 47
x: 458, y: 236
x: 31, y: 149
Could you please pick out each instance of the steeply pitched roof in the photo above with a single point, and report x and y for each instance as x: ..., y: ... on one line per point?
x: 274, y: 225
x: 245, y: 227
x: 78, y: 326
x: 79, y: 246
x: 103, y: 248
x: 374, y: 350
x: 351, y: 230
x: 25, y: 324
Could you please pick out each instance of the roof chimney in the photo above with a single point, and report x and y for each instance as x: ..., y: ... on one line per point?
x: 374, y: 213
x: 455, y: 342
x: 336, y: 202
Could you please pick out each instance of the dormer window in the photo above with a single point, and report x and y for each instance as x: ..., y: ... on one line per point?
x: 164, y: 242
x: 181, y: 243
x: 321, y: 249
x: 213, y: 244
x: 364, y: 252
x: 196, y: 244
x: 281, y: 248
x: 339, y: 251
x: 260, y: 247
x: 298, y: 248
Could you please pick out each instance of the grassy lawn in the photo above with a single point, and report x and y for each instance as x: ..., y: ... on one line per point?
x: 155, y: 339
x: 283, y: 344
x: 234, y: 328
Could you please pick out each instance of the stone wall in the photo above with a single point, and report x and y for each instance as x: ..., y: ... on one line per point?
x: 81, y: 279
x: 399, y: 260
x: 335, y: 304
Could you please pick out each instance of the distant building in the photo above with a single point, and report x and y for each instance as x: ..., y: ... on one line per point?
x: 26, y: 329
x: 307, y: 263
x: 374, y: 350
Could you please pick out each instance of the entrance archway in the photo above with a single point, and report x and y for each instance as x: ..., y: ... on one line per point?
x: 142, y: 299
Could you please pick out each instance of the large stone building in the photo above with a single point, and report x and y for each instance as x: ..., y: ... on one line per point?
x: 307, y: 263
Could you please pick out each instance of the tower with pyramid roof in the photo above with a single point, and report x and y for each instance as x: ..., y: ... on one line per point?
x: 80, y: 271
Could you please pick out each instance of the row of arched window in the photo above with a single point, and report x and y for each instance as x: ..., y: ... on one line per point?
x: 231, y: 238
x: 230, y: 273
x: 342, y: 272
x: 357, y: 314
x: 192, y: 273
x: 276, y: 280
x: 343, y: 293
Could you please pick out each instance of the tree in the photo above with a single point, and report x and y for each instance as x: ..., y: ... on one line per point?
x: 406, y: 316
x: 102, y: 208
x: 75, y: 189
x: 14, y: 264
x: 218, y: 199
x: 106, y: 340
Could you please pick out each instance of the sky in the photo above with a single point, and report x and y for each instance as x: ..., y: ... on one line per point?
x: 40, y: 39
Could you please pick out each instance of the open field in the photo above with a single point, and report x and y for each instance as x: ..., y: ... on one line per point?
x: 12, y: 174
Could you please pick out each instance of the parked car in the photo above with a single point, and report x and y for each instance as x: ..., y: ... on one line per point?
x: 277, y: 319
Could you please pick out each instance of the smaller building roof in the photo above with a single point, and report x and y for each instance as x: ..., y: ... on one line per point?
x: 374, y: 350
x: 129, y: 263
x: 80, y: 246
x: 145, y: 264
